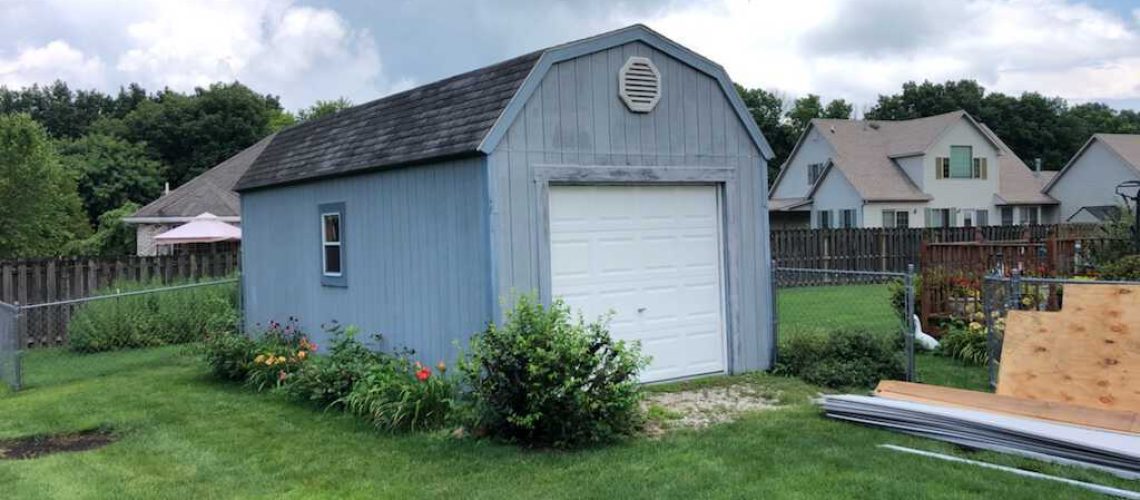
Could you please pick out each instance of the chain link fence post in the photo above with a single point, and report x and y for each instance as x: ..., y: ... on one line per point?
x: 908, y: 282
x: 989, y: 283
x: 11, y: 364
x: 773, y: 344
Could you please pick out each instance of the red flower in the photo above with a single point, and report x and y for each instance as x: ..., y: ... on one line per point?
x: 423, y: 374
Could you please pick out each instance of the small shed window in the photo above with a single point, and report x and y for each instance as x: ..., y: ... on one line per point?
x: 332, y: 244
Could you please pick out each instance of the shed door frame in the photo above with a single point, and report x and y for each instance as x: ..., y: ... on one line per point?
x: 724, y: 179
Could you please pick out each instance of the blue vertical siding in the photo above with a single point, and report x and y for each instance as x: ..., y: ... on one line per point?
x: 416, y: 255
x: 575, y: 117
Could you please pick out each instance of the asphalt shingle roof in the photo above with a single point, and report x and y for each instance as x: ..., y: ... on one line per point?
x: 211, y: 191
x: 1125, y: 145
x: 448, y: 118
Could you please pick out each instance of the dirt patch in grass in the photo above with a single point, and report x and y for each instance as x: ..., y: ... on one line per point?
x: 702, y: 407
x: 46, y: 444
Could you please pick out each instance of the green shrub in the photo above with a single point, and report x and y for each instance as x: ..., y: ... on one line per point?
x: 280, y: 352
x: 230, y: 355
x: 1124, y: 269
x: 153, y: 319
x: 402, y: 397
x: 898, y: 296
x: 841, y: 359
x: 325, y: 380
x: 969, y: 344
x: 544, y: 379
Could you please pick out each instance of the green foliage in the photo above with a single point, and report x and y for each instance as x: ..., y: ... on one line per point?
x: 112, y: 237
x: 152, y: 319
x: 40, y: 210
x: 1124, y: 269
x: 545, y: 379
x: 110, y: 172
x: 967, y: 344
x: 898, y: 296
x: 841, y: 359
x: 402, y: 397
x: 325, y: 380
x: 229, y: 354
x: 323, y: 108
x: 191, y: 133
x: 1118, y: 238
x: 782, y: 124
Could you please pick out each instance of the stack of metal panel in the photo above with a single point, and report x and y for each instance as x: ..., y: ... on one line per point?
x: 1114, y: 452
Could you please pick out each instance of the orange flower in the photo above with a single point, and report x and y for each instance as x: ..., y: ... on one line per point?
x: 442, y: 367
x: 423, y: 374
x: 301, y: 354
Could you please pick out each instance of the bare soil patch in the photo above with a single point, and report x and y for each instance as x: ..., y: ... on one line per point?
x: 700, y: 408
x: 45, y: 444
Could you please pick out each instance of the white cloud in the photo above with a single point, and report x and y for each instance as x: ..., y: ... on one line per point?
x: 858, y: 49
x: 55, y: 60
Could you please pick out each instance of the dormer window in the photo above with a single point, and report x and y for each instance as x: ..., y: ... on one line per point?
x: 814, y: 171
x: 960, y: 165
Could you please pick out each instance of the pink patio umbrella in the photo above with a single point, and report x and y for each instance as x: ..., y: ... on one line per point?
x: 205, y: 228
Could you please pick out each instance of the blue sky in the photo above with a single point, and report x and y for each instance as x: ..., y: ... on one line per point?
x: 305, y: 50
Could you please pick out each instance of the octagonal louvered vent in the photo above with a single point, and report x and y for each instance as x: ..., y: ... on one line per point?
x: 639, y: 84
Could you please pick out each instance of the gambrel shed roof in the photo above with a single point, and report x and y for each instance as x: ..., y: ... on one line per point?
x: 464, y: 115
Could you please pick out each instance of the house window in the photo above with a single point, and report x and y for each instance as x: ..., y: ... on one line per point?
x: 847, y: 218
x: 980, y: 168
x: 961, y: 162
x: 940, y: 217
x: 982, y: 217
x: 1029, y: 215
x: 332, y: 244
x: 967, y: 218
x: 1007, y: 216
x: 814, y: 171
x: 824, y: 218
x: 896, y: 218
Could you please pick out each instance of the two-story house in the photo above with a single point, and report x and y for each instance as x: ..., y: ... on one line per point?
x: 938, y: 171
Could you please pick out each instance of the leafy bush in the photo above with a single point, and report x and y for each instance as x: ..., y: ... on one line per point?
x: 969, y: 344
x: 402, y: 397
x: 1124, y: 269
x: 281, y: 351
x: 841, y: 359
x: 545, y: 379
x: 229, y: 354
x: 325, y: 380
x: 898, y: 296
x: 153, y: 319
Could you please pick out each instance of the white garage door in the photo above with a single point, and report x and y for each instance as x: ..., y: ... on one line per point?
x: 652, y: 255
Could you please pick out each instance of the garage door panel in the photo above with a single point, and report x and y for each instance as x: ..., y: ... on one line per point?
x: 651, y: 255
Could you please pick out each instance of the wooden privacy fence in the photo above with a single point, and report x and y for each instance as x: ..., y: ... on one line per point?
x: 38, y: 281
x: 891, y: 249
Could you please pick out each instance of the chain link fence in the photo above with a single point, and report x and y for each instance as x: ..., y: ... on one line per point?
x: 1004, y: 293
x: 827, y: 302
x: 126, y: 315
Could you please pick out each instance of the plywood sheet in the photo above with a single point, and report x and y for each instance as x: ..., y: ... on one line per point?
x: 1121, y: 421
x: 1087, y: 354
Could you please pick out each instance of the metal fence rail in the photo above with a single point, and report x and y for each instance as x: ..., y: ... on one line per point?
x: 15, y: 334
x: 1001, y: 294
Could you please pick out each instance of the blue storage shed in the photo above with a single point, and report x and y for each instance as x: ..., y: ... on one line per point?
x: 620, y: 172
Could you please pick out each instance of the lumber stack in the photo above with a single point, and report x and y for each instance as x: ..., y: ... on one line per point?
x: 1068, y: 389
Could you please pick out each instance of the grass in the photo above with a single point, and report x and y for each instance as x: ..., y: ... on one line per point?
x: 185, y: 435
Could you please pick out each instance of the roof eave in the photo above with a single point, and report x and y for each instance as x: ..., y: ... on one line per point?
x: 240, y: 188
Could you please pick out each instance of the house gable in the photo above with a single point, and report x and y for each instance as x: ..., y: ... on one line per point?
x: 793, y: 179
x: 1090, y: 179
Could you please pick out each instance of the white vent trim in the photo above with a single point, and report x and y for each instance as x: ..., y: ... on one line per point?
x: 639, y: 84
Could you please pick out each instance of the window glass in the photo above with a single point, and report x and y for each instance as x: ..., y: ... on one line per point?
x: 902, y: 219
x: 332, y: 244
x: 332, y: 260
x: 961, y: 161
x: 888, y: 218
x: 982, y: 217
x: 1007, y: 216
x: 332, y: 228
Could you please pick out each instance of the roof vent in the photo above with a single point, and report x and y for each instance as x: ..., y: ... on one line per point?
x: 639, y: 84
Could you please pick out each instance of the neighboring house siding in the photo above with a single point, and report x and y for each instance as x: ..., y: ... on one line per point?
x: 144, y: 237
x: 961, y: 193
x: 1091, y: 180
x: 575, y: 118
x: 814, y: 149
x: 416, y: 256
x: 835, y: 194
x: 915, y: 168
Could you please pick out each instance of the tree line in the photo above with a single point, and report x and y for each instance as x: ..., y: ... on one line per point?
x: 73, y: 163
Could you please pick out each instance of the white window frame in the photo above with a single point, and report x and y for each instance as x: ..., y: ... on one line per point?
x: 325, y: 243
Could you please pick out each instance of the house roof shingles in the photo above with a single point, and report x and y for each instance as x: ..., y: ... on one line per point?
x: 866, y: 152
x: 447, y: 118
x: 212, y: 191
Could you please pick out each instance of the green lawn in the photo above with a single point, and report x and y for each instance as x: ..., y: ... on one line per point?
x: 823, y: 309
x: 184, y: 435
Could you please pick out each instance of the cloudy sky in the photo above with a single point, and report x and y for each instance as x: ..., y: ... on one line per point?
x: 305, y: 50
